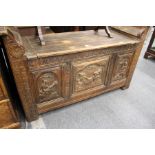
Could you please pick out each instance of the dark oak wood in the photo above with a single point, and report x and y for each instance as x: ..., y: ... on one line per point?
x: 8, y: 118
x: 30, y: 30
x: 150, y: 52
x: 60, y: 29
x: 8, y: 111
x: 71, y: 66
x: 18, y: 61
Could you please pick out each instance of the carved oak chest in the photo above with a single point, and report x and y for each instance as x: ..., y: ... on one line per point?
x: 72, y: 66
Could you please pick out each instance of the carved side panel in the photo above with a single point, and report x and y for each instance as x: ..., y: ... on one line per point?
x: 121, y: 67
x: 15, y: 52
x: 47, y: 84
x: 89, y: 73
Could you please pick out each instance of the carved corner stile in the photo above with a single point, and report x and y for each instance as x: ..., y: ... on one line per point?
x: 15, y: 52
x: 135, y: 58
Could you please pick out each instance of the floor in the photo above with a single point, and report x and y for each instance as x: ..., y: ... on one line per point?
x: 130, y: 108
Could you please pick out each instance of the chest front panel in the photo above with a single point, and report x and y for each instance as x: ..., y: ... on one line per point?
x: 61, y: 79
x: 89, y: 73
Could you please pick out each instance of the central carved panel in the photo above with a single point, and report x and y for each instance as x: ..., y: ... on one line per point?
x: 89, y: 77
x: 89, y: 74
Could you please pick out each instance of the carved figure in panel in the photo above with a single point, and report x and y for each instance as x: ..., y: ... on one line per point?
x: 90, y: 75
x: 47, y: 86
x: 121, y: 67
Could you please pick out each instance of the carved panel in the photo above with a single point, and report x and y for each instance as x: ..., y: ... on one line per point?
x: 89, y: 74
x: 121, y: 67
x: 47, y: 84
